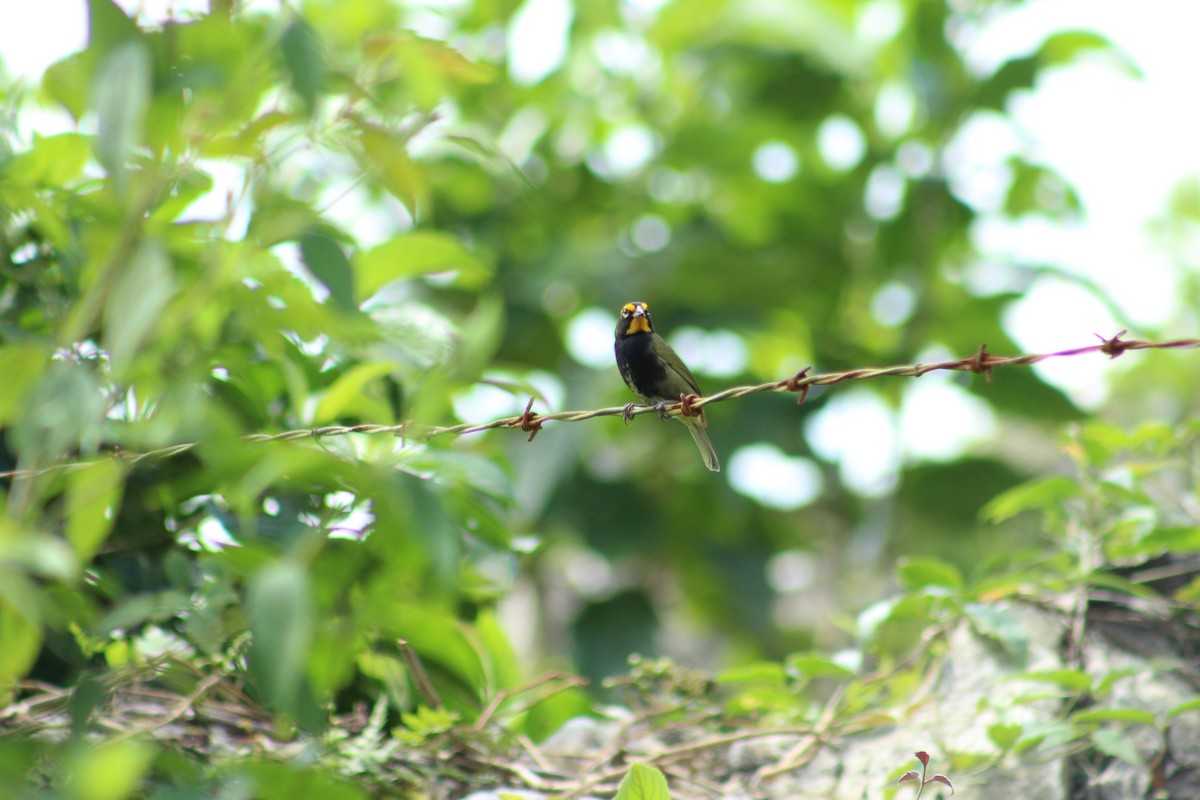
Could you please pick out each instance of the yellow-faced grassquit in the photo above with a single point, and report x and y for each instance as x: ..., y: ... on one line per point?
x: 656, y: 374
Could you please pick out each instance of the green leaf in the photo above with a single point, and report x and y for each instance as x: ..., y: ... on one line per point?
x: 304, y: 61
x: 919, y: 573
x: 289, y: 780
x: 1162, y: 539
x: 440, y: 640
x: 1001, y: 625
x: 120, y: 96
x: 108, y: 26
x: 64, y: 410
x: 21, y: 636
x: 1116, y: 744
x: 67, y: 81
x: 41, y: 556
x: 110, y: 771
x: 809, y: 667
x: 248, y: 140
x: 138, y: 609
x: 872, y: 618
x: 428, y: 68
x: 1031, y: 496
x: 141, y: 291
x: 1004, y: 736
x: 21, y: 365
x: 390, y: 672
x: 1035, y: 188
x: 1184, y: 707
x: 93, y: 499
x: 324, y: 258
x: 280, y: 607
x: 501, y: 658
x: 191, y: 185
x: 1066, y: 47
x: 385, y: 156
x: 1061, y: 48
x: 1074, y: 680
x: 1111, y: 678
x: 1189, y: 593
x: 1132, y: 715
x: 419, y: 253
x: 679, y: 25
x: 760, y: 687
x: 1097, y: 443
x: 271, y: 467
x: 1109, y: 580
x: 1049, y: 736
x: 768, y: 672
x: 426, y: 721
x: 550, y: 713
x: 347, y: 389
x: 480, y: 336
x: 278, y: 219
x: 52, y: 161
x: 456, y: 467
x: 643, y: 782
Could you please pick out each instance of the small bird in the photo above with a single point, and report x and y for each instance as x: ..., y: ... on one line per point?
x: 656, y: 374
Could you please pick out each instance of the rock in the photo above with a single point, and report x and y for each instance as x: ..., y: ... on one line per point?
x: 1120, y: 781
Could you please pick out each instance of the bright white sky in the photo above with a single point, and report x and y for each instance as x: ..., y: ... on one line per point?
x: 1123, y: 143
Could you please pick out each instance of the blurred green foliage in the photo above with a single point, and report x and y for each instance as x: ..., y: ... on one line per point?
x: 349, y: 211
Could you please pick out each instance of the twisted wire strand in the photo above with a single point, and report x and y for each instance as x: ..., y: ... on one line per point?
x: 531, y: 422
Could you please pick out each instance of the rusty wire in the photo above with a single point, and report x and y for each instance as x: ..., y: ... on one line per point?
x: 530, y: 422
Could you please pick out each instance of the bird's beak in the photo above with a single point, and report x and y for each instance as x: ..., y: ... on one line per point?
x: 639, y: 311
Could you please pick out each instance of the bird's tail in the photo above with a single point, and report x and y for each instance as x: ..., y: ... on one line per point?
x: 695, y: 426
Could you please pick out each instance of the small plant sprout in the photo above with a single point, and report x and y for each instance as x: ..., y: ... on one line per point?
x: 919, y: 777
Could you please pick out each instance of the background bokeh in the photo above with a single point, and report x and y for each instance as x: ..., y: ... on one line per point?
x: 259, y: 218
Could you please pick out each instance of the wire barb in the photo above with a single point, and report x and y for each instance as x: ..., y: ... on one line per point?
x: 1113, y: 347
x: 981, y: 363
x: 796, y: 384
x: 528, y: 421
x: 687, y: 406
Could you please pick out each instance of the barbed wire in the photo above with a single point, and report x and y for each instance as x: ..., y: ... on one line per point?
x: 531, y: 422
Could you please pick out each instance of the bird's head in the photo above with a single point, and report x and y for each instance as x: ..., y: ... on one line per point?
x: 635, y: 318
